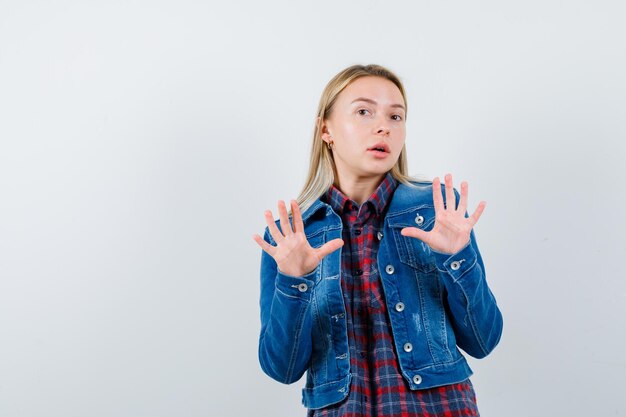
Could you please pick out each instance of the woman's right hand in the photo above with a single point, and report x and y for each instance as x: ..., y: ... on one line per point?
x: 292, y: 253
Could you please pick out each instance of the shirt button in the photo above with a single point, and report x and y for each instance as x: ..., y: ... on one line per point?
x: 389, y: 269
x: 417, y: 379
x: 357, y: 232
x: 358, y: 272
x: 303, y: 287
x: 408, y: 347
x: 380, y: 235
x: 419, y: 220
x: 400, y: 306
x: 455, y: 265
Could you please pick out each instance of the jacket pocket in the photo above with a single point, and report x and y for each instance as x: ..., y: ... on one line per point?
x: 410, y: 250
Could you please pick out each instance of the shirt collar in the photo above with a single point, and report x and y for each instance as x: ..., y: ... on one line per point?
x: 378, y: 200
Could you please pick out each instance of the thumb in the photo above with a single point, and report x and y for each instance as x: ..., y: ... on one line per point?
x: 329, y: 247
x: 415, y: 232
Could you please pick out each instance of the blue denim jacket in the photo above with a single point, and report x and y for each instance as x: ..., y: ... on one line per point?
x: 436, y: 302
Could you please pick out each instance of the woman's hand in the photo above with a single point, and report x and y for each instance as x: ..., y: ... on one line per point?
x: 292, y: 253
x: 451, y: 231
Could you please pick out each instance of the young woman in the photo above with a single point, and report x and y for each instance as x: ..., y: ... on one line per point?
x: 376, y: 324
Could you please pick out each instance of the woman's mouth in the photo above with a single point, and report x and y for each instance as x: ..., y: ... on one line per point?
x: 378, y: 154
x: 380, y: 150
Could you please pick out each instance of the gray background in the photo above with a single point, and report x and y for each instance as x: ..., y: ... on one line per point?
x: 142, y: 140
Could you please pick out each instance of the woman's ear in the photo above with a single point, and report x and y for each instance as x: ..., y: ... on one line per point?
x: 323, y: 129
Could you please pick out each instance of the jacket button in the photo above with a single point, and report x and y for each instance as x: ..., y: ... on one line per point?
x: 455, y: 265
x: 379, y: 235
x: 400, y: 306
x: 417, y: 379
x: 303, y: 287
x: 357, y: 232
x: 389, y: 269
x: 358, y: 272
x: 419, y: 220
x: 408, y: 347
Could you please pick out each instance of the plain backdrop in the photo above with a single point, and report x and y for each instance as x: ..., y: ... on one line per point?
x: 141, y: 141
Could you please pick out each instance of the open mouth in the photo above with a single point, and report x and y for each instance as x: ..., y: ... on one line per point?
x: 379, y: 148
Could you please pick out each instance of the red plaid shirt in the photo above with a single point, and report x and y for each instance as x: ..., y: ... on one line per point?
x: 378, y: 388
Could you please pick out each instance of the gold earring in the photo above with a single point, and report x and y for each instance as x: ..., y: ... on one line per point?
x: 330, y: 144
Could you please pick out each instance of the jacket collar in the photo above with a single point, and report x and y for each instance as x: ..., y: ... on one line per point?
x: 315, y: 207
x: 378, y: 200
x: 404, y: 197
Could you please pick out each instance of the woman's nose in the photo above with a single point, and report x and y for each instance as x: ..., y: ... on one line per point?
x: 383, y: 128
x: 380, y: 124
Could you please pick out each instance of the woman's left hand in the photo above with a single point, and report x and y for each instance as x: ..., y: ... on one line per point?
x: 451, y: 231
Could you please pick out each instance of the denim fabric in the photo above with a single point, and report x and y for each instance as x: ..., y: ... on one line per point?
x: 447, y: 305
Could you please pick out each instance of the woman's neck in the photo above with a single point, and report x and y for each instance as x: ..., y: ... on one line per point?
x: 358, y: 188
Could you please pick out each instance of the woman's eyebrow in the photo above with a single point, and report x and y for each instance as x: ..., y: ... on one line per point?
x: 369, y: 100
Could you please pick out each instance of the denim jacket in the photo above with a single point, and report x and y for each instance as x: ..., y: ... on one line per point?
x: 437, y: 303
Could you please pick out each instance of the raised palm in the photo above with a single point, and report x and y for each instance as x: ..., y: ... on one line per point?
x: 451, y: 231
x: 293, y: 254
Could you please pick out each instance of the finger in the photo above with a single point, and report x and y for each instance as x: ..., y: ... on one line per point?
x: 329, y: 247
x: 414, y: 232
x: 450, y: 197
x: 298, y: 226
x: 284, y: 218
x: 478, y: 212
x: 264, y: 245
x: 271, y: 225
x: 437, y: 197
x: 463, y: 200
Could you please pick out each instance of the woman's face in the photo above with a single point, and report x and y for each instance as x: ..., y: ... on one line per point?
x: 368, y: 113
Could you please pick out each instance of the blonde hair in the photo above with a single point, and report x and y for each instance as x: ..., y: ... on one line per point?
x: 322, y: 169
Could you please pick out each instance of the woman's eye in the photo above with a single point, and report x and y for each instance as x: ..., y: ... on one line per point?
x: 398, y: 117
x: 360, y: 110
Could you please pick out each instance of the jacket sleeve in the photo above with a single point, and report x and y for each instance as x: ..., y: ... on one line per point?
x: 476, y: 318
x: 285, y: 339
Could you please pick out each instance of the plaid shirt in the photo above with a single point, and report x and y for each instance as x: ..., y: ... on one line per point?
x: 378, y: 388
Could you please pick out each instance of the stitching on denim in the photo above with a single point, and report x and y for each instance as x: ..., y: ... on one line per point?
x: 287, y: 295
x: 466, y: 270
x: 336, y: 382
x: 315, y: 313
x: 406, y: 252
x: 292, y: 359
x: 425, y: 316
x: 444, y: 332
x: 410, y: 209
x: 317, y: 232
x: 477, y: 335
x: 437, y: 366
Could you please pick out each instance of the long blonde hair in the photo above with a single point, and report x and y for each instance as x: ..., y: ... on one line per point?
x: 322, y: 169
